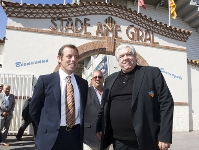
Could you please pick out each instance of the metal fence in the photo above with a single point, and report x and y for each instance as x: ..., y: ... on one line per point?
x: 21, y: 87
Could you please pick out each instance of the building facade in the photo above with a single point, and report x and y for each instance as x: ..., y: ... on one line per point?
x: 34, y: 33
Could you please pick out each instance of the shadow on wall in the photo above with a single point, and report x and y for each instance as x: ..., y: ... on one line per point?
x: 190, y: 98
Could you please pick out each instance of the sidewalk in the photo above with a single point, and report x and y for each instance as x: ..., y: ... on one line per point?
x: 181, y: 141
x: 28, y: 143
x: 185, y: 141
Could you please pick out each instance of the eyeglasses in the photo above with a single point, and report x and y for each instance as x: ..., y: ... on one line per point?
x: 99, y: 77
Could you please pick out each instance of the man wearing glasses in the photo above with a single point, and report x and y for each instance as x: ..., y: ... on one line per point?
x: 7, y: 104
x: 91, y: 142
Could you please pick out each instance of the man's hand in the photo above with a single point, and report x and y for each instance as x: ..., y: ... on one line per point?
x: 4, y: 113
x: 99, y: 134
x: 163, y: 145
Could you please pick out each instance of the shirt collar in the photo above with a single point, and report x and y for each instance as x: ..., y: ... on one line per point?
x: 129, y: 73
x: 63, y: 75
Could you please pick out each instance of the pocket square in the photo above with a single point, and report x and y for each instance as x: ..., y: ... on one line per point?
x: 151, y: 94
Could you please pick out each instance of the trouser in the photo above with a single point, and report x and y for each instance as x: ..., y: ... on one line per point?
x: 68, y: 140
x: 25, y: 124
x: 4, y: 127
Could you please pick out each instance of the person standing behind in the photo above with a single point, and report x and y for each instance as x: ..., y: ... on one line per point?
x: 91, y: 141
x: 138, y: 106
x: 57, y: 107
x: 26, y: 120
x: 1, y: 87
x: 7, y: 104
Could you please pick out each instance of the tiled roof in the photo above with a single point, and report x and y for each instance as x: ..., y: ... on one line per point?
x: 193, y: 62
x: 39, y: 11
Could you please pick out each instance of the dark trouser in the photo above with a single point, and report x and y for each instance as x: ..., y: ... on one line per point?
x: 5, y: 124
x: 68, y: 140
x: 125, y: 145
x: 26, y: 122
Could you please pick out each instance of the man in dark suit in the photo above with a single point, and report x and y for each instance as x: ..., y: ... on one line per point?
x: 7, y: 105
x: 138, y: 107
x: 91, y: 141
x: 60, y: 122
x: 26, y: 120
x: 1, y: 87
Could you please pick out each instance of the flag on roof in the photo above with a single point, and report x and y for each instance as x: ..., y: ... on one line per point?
x: 141, y: 3
x: 173, y: 9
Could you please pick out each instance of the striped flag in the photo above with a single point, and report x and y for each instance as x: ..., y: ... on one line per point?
x: 172, y: 9
x: 141, y: 3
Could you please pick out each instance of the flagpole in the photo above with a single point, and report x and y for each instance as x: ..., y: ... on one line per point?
x: 169, y: 12
x: 138, y: 9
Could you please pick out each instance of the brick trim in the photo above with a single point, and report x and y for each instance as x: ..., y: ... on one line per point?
x: 181, y: 104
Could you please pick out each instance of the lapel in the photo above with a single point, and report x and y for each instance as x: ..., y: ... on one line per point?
x: 137, y: 83
x: 10, y: 100
x: 94, y: 96
x: 57, y: 90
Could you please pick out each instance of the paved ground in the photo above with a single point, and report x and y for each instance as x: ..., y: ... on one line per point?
x: 185, y: 141
x: 181, y: 141
x: 27, y: 144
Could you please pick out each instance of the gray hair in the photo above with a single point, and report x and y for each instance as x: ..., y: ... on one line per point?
x: 122, y: 47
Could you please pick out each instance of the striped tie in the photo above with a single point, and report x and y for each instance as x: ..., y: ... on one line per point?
x: 70, y: 104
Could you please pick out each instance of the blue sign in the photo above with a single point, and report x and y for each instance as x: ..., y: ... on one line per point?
x: 171, y: 74
x: 25, y: 64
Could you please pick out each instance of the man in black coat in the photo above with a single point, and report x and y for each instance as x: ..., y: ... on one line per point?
x: 91, y: 141
x: 138, y: 107
x: 26, y: 120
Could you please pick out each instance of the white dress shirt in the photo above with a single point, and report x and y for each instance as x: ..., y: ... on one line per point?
x: 98, y: 95
x: 6, y: 100
x: 63, y: 81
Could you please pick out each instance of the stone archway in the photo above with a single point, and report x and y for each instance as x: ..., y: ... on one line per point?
x: 106, y: 46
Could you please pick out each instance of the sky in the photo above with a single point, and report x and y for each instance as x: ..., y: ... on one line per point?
x: 3, y: 17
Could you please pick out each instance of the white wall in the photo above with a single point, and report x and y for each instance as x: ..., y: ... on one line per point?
x: 193, y: 74
x: 1, y: 53
x: 113, y: 64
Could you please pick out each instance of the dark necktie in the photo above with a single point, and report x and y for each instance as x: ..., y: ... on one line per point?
x: 70, y: 103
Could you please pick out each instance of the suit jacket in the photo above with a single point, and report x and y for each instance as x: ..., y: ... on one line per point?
x: 25, y: 110
x: 90, y: 118
x: 10, y: 108
x: 152, y: 116
x: 45, y: 108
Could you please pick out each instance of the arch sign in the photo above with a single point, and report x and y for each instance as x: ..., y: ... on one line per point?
x: 134, y: 33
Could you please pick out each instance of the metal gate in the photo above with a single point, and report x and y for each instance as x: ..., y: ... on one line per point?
x: 21, y: 87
